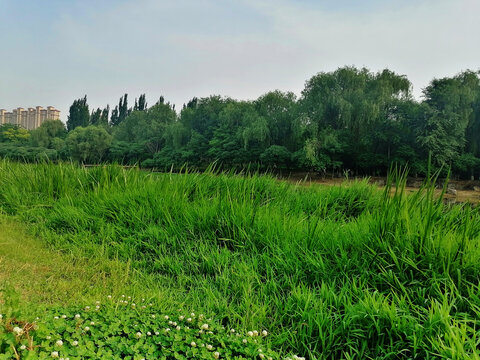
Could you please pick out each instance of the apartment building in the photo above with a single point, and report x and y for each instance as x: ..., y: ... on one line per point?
x: 30, y: 118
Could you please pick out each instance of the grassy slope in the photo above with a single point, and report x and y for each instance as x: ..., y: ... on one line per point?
x: 340, y: 273
x: 42, y: 275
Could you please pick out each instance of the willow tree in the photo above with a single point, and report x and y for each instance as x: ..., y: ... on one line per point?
x: 451, y: 118
x: 352, y: 103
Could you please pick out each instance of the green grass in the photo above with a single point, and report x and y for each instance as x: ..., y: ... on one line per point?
x: 332, y: 273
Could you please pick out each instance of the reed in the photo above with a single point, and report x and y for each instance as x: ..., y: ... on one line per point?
x: 344, y: 272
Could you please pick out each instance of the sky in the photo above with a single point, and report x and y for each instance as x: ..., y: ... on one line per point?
x: 55, y: 51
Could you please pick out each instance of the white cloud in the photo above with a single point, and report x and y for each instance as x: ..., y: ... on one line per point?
x: 239, y: 48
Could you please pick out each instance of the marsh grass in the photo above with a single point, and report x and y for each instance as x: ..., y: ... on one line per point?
x: 333, y: 273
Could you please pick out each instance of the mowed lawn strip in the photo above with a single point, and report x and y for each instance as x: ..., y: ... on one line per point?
x: 44, y: 276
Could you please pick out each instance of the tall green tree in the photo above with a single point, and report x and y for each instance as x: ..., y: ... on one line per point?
x: 95, y: 117
x: 353, y: 103
x: 88, y: 144
x: 147, y: 127
x: 282, y: 119
x: 104, y: 116
x: 50, y: 134
x: 449, y: 110
x: 140, y: 104
x: 79, y: 114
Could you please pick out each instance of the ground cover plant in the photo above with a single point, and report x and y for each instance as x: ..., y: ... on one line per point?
x: 123, y: 329
x: 343, y: 272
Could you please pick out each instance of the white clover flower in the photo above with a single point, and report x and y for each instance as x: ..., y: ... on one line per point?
x: 123, y: 296
x: 87, y: 328
x: 77, y: 316
x: 259, y: 350
x: 166, y: 317
x: 138, y: 335
x: 92, y: 323
x: 250, y: 333
x: 64, y: 316
x: 144, y: 307
x: 192, y: 314
x: 56, y: 317
x: 210, y: 332
x: 189, y: 319
x: 129, y: 298
x: 59, y: 343
x: 23, y: 347
x: 204, y: 327
x: 97, y: 307
x: 200, y: 331
x: 264, y: 333
x: 232, y: 331
x: 216, y: 354
x: 178, y: 328
x: 167, y: 329
x: 174, y: 323
x: 1, y: 317
x: 49, y: 337
x: 244, y: 341
x: 87, y: 307
x: 187, y: 328
x: 157, y: 333
x: 54, y: 354
x: 193, y: 344
x: 149, y: 333
x: 133, y: 305
x: 261, y: 356
x: 109, y: 297
x: 97, y: 302
x: 200, y: 317
x: 150, y: 304
x: 75, y: 343
x: 153, y: 316
x: 181, y: 317
x: 209, y: 347
x: 170, y: 322
x: 255, y: 333
x: 18, y: 331
x: 269, y: 358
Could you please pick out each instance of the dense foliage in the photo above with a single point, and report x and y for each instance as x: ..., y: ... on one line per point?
x: 331, y: 273
x: 124, y: 328
x: 350, y: 120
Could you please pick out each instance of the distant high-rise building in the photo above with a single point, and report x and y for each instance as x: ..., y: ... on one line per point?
x: 29, y: 119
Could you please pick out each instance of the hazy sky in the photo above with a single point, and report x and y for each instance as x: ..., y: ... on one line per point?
x: 54, y: 51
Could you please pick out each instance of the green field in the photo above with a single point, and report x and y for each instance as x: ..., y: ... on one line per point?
x: 343, y: 272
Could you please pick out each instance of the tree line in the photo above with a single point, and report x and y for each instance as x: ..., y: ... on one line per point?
x: 347, y: 121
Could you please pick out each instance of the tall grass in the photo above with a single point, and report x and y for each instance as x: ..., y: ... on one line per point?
x: 334, y: 273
